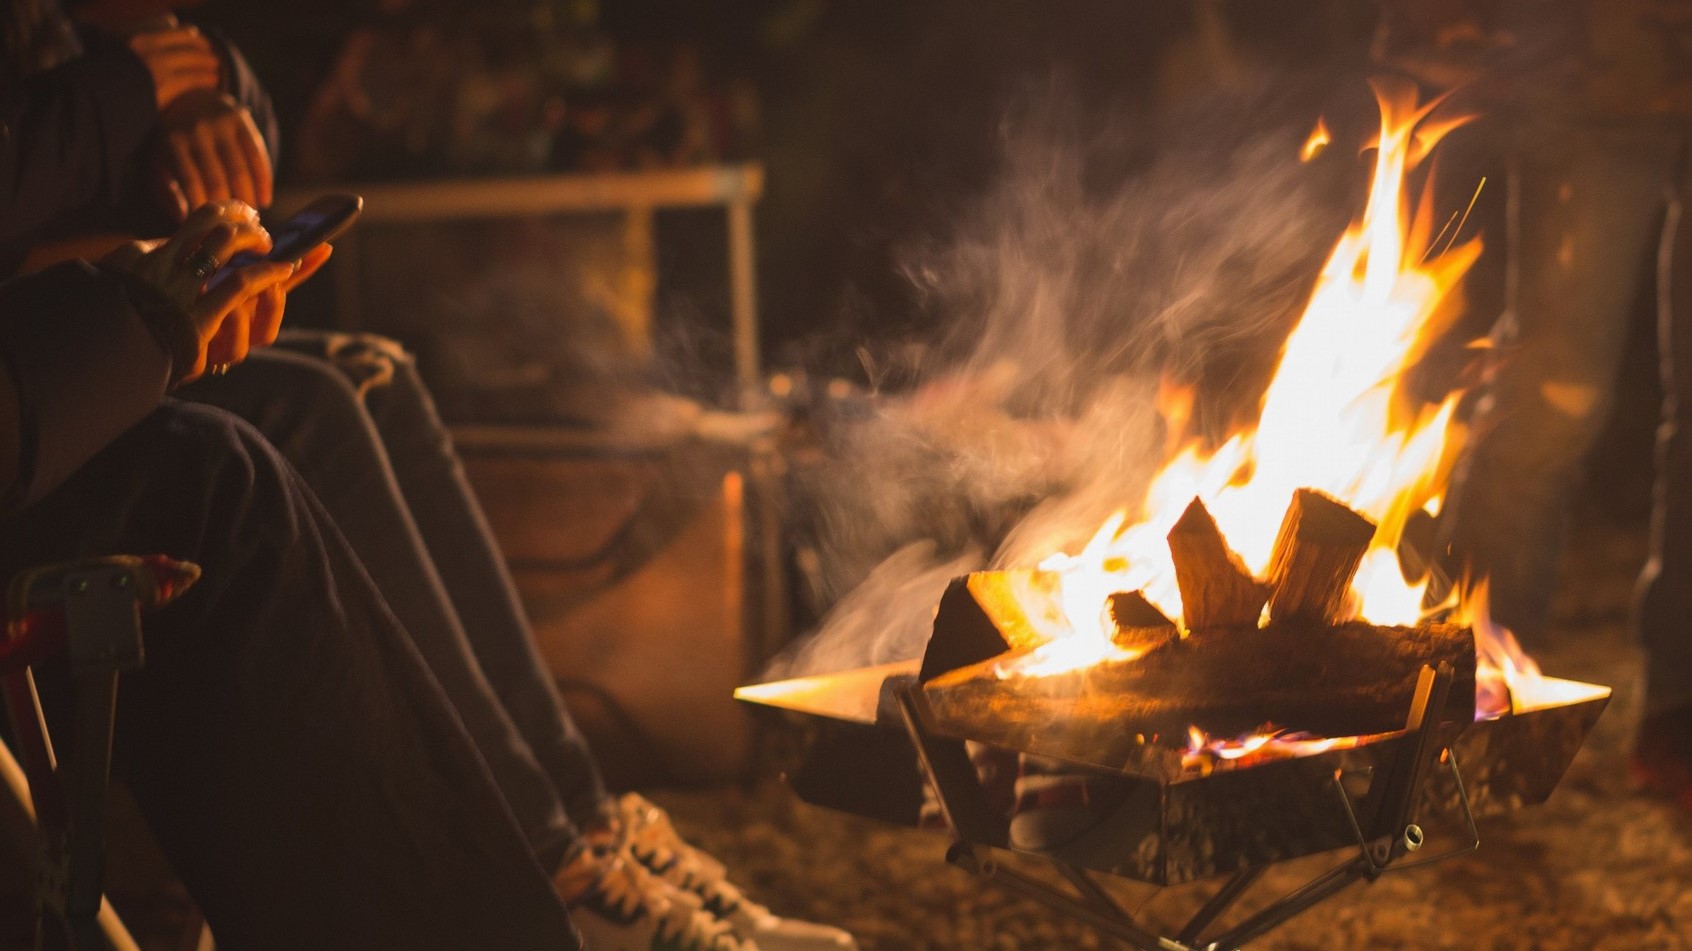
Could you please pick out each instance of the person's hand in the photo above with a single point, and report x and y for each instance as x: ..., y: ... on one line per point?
x: 180, y: 61
x: 208, y: 149
x: 234, y: 313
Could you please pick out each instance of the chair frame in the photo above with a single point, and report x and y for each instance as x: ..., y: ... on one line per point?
x: 86, y: 614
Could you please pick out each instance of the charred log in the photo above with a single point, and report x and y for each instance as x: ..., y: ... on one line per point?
x: 1348, y: 680
x: 1317, y: 552
x: 1217, y: 590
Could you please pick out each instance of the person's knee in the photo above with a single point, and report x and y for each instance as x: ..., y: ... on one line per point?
x: 215, y: 449
x: 371, y: 361
x: 183, y: 480
x: 294, y: 400
x: 367, y: 362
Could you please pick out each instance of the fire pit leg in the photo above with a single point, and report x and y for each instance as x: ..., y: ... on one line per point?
x: 947, y: 769
x: 1091, y: 890
x: 1219, y: 903
x: 1319, y: 890
x: 1106, y: 916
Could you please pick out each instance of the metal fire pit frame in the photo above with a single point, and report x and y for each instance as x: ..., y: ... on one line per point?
x: 868, y: 729
x: 1395, y: 833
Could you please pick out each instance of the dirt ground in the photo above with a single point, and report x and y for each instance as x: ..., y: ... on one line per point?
x: 1599, y: 866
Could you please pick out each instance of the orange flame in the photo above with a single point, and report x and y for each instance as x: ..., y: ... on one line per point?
x: 1334, y: 418
x: 1506, y: 678
x: 1319, y: 139
x: 1205, y: 754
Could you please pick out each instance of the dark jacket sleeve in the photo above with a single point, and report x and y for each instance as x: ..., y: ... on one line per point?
x: 129, y: 202
x: 69, y: 138
x: 85, y: 366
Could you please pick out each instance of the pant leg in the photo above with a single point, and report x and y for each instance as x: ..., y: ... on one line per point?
x: 287, y: 745
x: 1587, y: 220
x: 458, y: 539
x: 313, y: 416
x: 1664, y: 609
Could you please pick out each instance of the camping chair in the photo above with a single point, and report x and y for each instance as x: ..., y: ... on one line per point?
x: 86, y: 615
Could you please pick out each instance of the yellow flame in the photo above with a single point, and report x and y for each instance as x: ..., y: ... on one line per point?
x: 1334, y: 419
x: 1506, y: 678
x: 1319, y: 139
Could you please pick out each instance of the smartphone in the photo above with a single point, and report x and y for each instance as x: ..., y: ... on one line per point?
x: 321, y: 221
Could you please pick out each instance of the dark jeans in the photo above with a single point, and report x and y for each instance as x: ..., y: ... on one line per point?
x: 352, y: 416
x: 291, y: 751
x: 1592, y: 205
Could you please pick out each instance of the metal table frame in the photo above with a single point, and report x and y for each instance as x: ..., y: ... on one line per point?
x: 636, y: 195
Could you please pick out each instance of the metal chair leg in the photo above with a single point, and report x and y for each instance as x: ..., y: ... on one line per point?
x: 89, y: 613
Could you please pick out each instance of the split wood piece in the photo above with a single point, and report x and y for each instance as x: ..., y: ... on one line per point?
x: 1138, y: 623
x: 963, y: 633
x: 1217, y: 590
x: 1317, y: 552
x: 1353, y: 679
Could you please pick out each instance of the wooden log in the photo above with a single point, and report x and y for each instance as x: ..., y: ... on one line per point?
x: 1138, y: 623
x: 1318, y: 549
x: 1348, y: 680
x: 963, y: 633
x: 1217, y: 590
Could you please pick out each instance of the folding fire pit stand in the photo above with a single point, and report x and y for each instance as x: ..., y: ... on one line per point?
x: 875, y: 739
x: 1394, y: 835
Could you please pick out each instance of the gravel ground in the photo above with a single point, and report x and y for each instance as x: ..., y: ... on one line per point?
x: 1599, y: 866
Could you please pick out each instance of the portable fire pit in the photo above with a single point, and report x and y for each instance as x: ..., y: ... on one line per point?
x: 1201, y: 690
x: 1144, y: 795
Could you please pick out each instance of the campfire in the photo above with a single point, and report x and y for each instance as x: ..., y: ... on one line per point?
x: 1228, y: 657
x: 1312, y: 670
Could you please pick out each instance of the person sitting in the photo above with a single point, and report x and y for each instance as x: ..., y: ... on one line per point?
x: 376, y: 455
x: 288, y: 747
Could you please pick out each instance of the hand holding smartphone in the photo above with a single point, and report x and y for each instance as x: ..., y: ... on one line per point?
x: 317, y: 223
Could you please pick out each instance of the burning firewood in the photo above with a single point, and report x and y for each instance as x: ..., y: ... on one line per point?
x: 1320, y: 545
x: 1139, y: 625
x: 1350, y: 679
x: 1217, y: 590
x: 1306, y: 671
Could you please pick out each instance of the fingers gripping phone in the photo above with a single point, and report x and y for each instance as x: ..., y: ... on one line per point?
x: 317, y: 223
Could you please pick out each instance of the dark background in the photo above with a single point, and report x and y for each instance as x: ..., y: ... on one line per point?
x: 881, y: 123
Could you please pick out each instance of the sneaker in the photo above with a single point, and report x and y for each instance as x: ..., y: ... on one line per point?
x: 651, y: 840
x: 626, y: 909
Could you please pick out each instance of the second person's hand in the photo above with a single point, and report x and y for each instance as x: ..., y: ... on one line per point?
x: 209, y: 149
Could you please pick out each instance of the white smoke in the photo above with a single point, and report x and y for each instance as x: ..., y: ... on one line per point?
x: 1095, y: 268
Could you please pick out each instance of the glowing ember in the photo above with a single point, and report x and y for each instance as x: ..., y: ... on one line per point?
x: 1334, y: 419
x: 1205, y: 754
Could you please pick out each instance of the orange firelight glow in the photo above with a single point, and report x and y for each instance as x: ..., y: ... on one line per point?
x: 1334, y: 419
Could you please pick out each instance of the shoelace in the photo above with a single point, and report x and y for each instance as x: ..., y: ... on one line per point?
x: 688, y: 926
x: 721, y: 897
x: 688, y: 930
x: 620, y: 891
x: 645, y: 820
